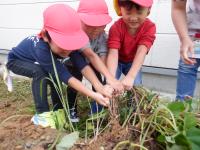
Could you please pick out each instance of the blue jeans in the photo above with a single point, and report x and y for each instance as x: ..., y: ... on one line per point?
x: 39, y: 84
x: 124, y: 68
x: 186, y: 80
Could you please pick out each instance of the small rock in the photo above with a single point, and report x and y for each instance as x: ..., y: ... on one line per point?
x: 48, y: 138
x: 42, y: 138
x: 19, y: 147
x: 28, y: 145
x: 39, y: 147
x: 102, y: 148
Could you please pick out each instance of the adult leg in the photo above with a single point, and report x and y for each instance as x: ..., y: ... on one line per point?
x: 186, y: 79
x: 39, y: 83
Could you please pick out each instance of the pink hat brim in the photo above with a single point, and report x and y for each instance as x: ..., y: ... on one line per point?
x: 95, y: 19
x: 70, y: 42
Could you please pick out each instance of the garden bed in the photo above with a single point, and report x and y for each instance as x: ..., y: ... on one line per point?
x: 148, y: 122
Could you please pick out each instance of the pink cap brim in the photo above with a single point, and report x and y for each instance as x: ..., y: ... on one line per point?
x: 95, y: 19
x: 70, y: 42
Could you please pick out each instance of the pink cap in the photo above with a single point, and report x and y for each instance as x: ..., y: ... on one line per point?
x: 144, y: 3
x: 94, y: 12
x: 64, y: 27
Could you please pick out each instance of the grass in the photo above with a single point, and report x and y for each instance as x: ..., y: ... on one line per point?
x: 22, y: 90
x: 21, y: 96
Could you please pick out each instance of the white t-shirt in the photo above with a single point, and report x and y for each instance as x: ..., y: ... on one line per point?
x: 193, y: 16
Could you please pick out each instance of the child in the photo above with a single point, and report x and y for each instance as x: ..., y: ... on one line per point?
x: 94, y: 16
x: 130, y: 39
x: 186, y: 19
x: 61, y: 36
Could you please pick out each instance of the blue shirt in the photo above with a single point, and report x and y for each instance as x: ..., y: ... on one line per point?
x: 33, y: 49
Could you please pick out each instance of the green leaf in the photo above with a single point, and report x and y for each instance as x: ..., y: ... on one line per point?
x: 189, y: 121
x: 150, y: 96
x: 177, y: 147
x: 90, y: 126
x: 124, y: 112
x: 68, y: 141
x: 189, y: 103
x: 176, y: 107
x: 193, y: 136
x: 99, y: 115
x: 169, y: 139
x: 161, y: 138
x: 182, y: 140
x: 195, y: 105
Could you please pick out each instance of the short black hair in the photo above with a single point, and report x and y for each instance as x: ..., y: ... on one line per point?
x: 128, y: 4
x: 48, y: 36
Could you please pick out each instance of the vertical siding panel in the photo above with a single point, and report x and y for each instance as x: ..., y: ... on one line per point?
x: 20, y: 18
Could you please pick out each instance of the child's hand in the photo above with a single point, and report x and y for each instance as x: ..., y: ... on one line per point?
x: 116, y: 85
x: 187, y: 47
x: 100, y: 99
x: 105, y: 90
x: 127, y: 82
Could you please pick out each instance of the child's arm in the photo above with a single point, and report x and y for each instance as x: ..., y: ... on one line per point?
x: 79, y: 62
x: 101, y: 67
x: 136, y: 65
x: 45, y: 60
x: 180, y: 23
x: 76, y: 84
x: 103, y: 59
x: 90, y: 75
x: 112, y: 61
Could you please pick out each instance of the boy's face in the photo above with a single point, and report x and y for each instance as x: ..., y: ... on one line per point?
x: 93, y: 31
x: 58, y: 51
x: 55, y: 49
x: 134, y: 17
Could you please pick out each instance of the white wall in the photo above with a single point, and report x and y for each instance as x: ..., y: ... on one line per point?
x: 19, y: 18
x: 165, y: 51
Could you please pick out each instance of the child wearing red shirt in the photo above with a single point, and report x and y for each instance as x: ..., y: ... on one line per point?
x: 130, y: 39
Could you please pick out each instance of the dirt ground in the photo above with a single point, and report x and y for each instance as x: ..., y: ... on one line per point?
x: 17, y: 132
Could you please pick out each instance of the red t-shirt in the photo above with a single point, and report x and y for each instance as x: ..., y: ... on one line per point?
x: 120, y: 39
